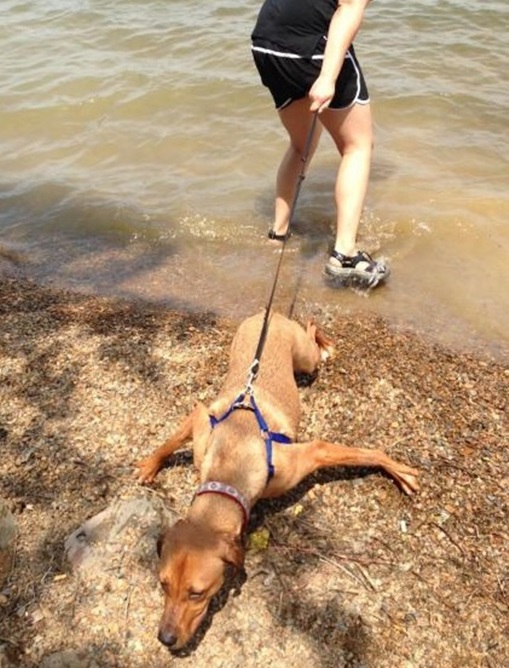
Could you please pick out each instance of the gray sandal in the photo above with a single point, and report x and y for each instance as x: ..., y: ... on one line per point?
x: 359, y: 270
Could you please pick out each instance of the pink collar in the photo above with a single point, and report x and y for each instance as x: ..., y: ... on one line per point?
x: 216, y: 487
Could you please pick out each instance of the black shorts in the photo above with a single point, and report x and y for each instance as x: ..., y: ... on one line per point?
x: 289, y: 77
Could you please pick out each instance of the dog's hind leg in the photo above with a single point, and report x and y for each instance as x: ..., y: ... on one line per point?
x: 293, y: 463
x: 309, y: 347
x: 324, y: 343
x: 150, y: 466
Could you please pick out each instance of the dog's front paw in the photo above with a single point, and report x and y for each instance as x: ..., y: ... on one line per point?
x: 148, y: 469
x: 407, y: 478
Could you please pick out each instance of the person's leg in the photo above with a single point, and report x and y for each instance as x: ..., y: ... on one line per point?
x: 351, y: 130
x: 297, y: 120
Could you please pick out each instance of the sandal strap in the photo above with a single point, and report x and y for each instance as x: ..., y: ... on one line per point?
x: 273, y: 236
x: 351, y: 261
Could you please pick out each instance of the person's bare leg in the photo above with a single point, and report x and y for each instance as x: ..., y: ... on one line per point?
x: 297, y: 120
x: 352, y: 132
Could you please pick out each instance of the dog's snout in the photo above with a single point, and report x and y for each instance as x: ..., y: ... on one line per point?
x: 166, y: 637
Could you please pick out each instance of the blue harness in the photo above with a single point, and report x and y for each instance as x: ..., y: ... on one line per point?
x: 268, y: 436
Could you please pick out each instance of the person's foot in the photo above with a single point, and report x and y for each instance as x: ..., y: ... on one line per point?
x: 274, y: 236
x: 359, y: 270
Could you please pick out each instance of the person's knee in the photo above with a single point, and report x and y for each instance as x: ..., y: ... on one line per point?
x: 359, y: 143
x: 351, y: 129
x: 297, y: 149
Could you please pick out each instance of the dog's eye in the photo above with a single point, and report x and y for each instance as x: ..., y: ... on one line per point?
x: 195, y: 595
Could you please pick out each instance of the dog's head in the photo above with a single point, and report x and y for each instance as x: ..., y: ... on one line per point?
x: 193, y: 562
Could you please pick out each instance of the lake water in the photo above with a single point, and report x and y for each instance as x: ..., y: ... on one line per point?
x: 139, y: 152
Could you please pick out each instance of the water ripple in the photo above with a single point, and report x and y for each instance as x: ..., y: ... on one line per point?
x: 143, y: 124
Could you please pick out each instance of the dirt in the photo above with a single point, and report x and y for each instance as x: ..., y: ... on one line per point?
x: 345, y: 571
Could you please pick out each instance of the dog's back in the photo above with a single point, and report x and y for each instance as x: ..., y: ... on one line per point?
x: 287, y: 349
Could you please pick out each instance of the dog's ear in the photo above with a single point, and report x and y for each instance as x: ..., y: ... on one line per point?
x: 160, y: 540
x: 234, y: 552
x: 165, y: 533
x: 159, y: 544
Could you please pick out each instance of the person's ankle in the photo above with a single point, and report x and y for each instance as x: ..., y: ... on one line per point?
x: 347, y: 251
x: 280, y: 228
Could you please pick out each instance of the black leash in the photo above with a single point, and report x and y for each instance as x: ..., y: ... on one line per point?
x: 255, y: 366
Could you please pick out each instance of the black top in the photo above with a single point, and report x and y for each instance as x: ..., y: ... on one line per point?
x: 294, y: 26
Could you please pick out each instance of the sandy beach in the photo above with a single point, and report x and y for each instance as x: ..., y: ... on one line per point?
x: 354, y: 573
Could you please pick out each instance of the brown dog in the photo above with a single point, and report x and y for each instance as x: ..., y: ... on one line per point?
x: 242, y: 451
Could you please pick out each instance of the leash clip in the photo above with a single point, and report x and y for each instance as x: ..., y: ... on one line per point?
x: 251, y: 376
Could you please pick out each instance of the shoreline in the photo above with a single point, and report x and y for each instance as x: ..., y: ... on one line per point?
x: 91, y: 384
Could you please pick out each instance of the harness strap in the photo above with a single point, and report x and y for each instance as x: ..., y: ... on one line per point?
x: 238, y: 403
x: 268, y: 436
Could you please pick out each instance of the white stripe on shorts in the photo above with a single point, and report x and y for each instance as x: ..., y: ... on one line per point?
x: 282, y: 54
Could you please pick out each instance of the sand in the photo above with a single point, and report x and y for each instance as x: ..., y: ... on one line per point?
x: 345, y: 571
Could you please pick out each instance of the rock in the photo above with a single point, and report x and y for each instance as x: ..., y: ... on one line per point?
x: 7, y: 541
x: 117, y: 594
x: 128, y: 526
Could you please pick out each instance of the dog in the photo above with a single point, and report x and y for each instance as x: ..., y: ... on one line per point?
x: 245, y: 449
